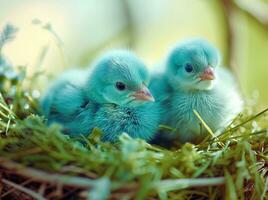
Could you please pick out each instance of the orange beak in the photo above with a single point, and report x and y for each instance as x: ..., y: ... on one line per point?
x: 143, y: 95
x: 208, y: 74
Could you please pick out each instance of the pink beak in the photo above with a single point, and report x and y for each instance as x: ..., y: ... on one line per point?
x: 143, y: 95
x: 208, y: 74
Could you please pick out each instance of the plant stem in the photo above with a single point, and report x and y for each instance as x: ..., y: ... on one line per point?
x: 169, y: 185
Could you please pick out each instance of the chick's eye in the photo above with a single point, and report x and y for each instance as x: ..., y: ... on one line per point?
x: 120, y: 86
x: 188, y: 68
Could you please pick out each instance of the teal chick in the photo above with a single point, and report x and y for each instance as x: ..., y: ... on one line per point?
x: 198, y: 82
x: 112, y: 96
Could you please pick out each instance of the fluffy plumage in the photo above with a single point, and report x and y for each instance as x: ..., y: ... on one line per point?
x: 113, y: 96
x: 197, y: 82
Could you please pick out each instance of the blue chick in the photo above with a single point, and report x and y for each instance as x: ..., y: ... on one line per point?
x: 199, y: 83
x: 112, y: 96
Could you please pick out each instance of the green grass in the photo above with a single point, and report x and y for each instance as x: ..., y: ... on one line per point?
x: 39, y: 161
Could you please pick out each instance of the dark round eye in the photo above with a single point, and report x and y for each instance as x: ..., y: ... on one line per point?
x: 188, y: 68
x: 120, y: 86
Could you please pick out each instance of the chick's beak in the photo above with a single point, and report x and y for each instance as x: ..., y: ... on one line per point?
x: 208, y: 74
x: 143, y: 94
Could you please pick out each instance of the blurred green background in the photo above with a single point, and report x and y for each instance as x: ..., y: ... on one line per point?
x: 55, y: 35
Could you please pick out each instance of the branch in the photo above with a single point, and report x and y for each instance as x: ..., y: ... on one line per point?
x: 257, y: 10
x: 228, y: 14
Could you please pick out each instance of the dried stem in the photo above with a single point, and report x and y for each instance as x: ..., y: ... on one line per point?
x: 23, y: 189
x: 13, y: 189
x: 55, y: 179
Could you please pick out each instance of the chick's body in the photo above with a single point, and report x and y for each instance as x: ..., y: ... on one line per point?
x: 65, y: 102
x: 198, y: 83
x: 217, y: 107
x: 112, y: 96
x: 138, y: 122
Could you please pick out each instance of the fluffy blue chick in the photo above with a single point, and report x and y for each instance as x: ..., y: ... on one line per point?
x: 65, y: 102
x: 113, y: 96
x: 159, y: 87
x: 199, y: 83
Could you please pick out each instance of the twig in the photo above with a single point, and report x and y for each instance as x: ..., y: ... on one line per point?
x: 243, y: 123
x: 247, y: 135
x: 23, y: 189
x: 42, y: 188
x: 53, y: 179
x: 13, y: 189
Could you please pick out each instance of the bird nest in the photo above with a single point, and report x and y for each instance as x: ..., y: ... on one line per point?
x: 39, y: 162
